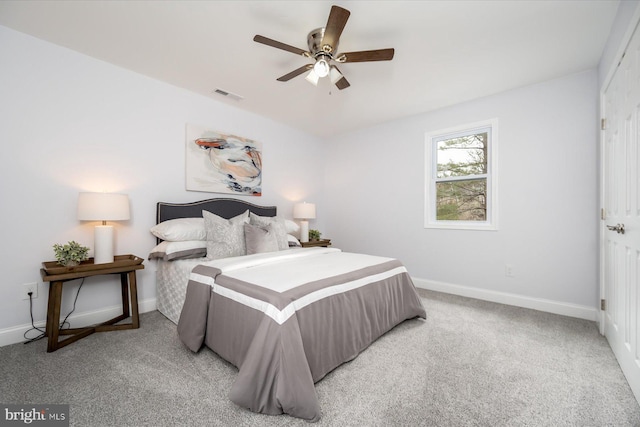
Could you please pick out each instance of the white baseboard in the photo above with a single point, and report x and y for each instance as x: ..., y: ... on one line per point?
x: 556, y: 307
x: 16, y: 334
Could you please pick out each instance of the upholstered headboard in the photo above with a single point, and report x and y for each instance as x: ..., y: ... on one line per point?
x: 226, y: 208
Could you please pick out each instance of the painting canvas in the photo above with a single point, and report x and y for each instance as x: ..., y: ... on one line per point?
x: 222, y: 163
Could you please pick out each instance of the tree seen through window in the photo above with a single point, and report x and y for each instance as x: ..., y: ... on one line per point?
x: 461, y: 178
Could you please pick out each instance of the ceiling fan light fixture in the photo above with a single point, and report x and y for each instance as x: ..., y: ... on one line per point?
x: 323, y: 50
x: 321, y: 67
x: 312, y: 77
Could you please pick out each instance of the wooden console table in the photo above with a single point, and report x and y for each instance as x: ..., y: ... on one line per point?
x: 124, y: 265
x: 313, y: 243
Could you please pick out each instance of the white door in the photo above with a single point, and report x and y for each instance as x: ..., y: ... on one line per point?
x: 621, y: 215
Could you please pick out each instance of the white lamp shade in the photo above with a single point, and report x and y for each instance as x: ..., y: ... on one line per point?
x: 304, y: 211
x: 103, y: 207
x: 312, y: 78
x: 335, y: 75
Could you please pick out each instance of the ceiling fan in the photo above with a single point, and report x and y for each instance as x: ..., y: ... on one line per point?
x: 323, y: 47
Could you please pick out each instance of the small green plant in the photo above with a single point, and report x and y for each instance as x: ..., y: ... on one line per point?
x: 70, y: 254
x: 314, y: 235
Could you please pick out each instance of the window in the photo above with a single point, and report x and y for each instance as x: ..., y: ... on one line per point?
x: 460, y: 184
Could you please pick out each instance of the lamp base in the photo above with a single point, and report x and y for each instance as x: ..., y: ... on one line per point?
x: 304, y: 231
x: 103, y: 244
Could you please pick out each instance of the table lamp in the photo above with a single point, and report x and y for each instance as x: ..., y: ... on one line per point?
x: 103, y: 207
x: 304, y: 211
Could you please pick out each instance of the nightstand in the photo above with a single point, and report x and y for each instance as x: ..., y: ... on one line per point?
x: 313, y: 243
x: 124, y: 265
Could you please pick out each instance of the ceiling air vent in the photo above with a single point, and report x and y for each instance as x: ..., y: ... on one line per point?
x: 228, y: 94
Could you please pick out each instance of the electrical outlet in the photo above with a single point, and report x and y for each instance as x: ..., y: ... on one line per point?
x: 30, y: 287
x: 508, y: 270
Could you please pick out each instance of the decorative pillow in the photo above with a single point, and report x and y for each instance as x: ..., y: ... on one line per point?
x: 278, y: 227
x: 170, y: 251
x: 225, y: 237
x: 180, y: 230
x: 260, y: 239
x: 293, y: 242
x: 291, y: 226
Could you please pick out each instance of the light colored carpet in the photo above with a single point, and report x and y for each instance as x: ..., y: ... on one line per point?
x: 471, y: 363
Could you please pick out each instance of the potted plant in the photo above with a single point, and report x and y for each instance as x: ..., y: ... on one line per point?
x: 314, y: 235
x: 70, y: 254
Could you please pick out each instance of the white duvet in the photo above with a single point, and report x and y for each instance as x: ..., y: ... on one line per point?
x: 284, y: 270
x: 299, y: 266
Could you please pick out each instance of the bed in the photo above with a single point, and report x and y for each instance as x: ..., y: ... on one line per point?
x: 171, y: 276
x: 284, y: 318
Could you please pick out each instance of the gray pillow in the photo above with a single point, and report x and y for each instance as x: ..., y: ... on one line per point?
x: 260, y: 239
x: 278, y: 224
x: 225, y: 237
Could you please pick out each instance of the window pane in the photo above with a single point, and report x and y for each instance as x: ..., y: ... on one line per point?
x: 461, y: 156
x: 461, y: 200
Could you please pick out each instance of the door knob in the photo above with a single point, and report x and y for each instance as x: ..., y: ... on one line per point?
x: 618, y: 228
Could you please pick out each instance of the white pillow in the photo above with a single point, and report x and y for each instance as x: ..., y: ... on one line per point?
x: 225, y: 237
x: 170, y: 251
x: 291, y: 226
x: 180, y: 230
x: 293, y: 242
x: 278, y: 227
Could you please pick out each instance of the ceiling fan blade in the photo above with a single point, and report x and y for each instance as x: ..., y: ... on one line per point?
x: 279, y: 45
x: 367, y: 55
x: 295, y: 73
x: 342, y: 83
x: 335, y: 24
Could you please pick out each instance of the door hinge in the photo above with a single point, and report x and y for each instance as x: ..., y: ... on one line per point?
x: 603, y: 124
x: 603, y: 214
x: 603, y: 305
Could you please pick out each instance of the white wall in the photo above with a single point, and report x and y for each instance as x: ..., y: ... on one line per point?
x: 548, y: 213
x: 70, y: 123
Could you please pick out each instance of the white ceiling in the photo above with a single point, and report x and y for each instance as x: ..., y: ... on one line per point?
x: 446, y: 52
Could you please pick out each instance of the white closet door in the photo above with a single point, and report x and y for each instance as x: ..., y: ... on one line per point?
x: 621, y: 215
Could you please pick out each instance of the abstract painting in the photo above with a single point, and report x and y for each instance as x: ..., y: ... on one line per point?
x: 222, y: 163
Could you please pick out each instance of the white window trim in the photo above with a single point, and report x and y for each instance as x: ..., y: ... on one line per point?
x: 430, y: 221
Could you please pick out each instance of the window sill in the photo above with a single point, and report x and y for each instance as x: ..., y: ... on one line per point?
x: 450, y: 225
